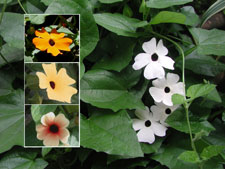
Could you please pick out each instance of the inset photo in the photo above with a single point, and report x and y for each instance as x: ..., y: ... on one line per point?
x: 52, y: 83
x: 52, y: 38
x: 52, y: 125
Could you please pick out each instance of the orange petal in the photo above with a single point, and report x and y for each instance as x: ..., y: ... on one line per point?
x: 41, y: 131
x: 53, y: 50
x: 50, y: 71
x: 64, y: 135
x: 63, y: 78
x: 55, y: 35
x: 43, y: 81
x: 51, y: 140
x: 63, y: 44
x: 62, y: 120
x: 62, y: 94
x: 41, y: 44
x: 43, y: 34
x: 48, y: 118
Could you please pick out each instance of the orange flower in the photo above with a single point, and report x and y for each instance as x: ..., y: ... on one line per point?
x: 53, y: 129
x: 53, y: 42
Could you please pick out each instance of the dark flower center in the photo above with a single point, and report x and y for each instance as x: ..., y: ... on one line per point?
x: 51, y: 42
x: 52, y: 84
x: 167, y: 89
x: 154, y: 57
x: 54, y: 128
x: 168, y: 111
x: 147, y: 123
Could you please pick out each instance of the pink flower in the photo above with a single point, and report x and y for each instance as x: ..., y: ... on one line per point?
x: 53, y: 129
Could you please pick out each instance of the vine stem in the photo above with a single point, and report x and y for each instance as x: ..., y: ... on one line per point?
x: 3, y: 10
x: 186, y: 105
x: 22, y: 6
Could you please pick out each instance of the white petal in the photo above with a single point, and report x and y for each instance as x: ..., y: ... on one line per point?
x: 150, y: 46
x: 159, y: 129
x: 161, y: 50
x: 146, y: 135
x: 156, y: 113
x: 160, y: 83
x: 141, y: 60
x: 47, y: 118
x: 157, y: 94
x: 167, y: 100
x: 138, y: 124
x: 154, y: 70
x: 178, y: 88
x: 143, y: 114
x: 166, y: 62
x: 172, y: 78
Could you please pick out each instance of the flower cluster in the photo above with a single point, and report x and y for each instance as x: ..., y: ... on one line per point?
x: 154, y: 60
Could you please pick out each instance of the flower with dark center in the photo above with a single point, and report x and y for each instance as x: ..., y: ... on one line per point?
x: 154, y: 60
x: 57, y: 84
x: 53, y: 129
x: 164, y: 88
x: 168, y: 111
x: 147, y: 126
x: 53, y: 42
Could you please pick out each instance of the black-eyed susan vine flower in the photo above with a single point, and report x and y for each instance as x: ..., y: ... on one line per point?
x: 53, y: 129
x: 53, y: 42
x: 57, y: 84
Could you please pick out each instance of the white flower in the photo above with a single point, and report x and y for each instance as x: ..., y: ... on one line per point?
x: 161, y: 112
x: 148, y: 126
x: 154, y: 59
x: 164, y: 89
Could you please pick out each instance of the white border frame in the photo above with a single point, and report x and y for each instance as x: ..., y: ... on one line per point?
x: 52, y: 104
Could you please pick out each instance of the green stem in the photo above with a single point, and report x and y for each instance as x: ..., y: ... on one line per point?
x: 22, y: 6
x: 3, y: 10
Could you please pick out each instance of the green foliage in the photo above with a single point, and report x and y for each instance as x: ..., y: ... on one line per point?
x: 189, y: 156
x: 165, y: 4
x: 105, y: 132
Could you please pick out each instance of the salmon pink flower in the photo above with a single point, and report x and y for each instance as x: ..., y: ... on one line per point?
x: 53, y: 129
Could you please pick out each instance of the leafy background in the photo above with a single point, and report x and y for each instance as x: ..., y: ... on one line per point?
x: 112, y: 32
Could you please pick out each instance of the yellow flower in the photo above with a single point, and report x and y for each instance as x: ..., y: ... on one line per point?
x: 53, y: 42
x: 57, y: 83
x: 53, y: 129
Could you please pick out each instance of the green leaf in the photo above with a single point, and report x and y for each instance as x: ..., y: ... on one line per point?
x: 11, y: 54
x: 7, y: 1
x: 111, y: 133
x: 6, y: 80
x: 214, y: 96
x: 118, y: 52
x: 165, y: 4
x: 37, y: 19
x: 209, y: 41
x: 45, y: 151
x: 211, y: 151
x: 151, y: 148
x: 107, y: 90
x: 38, y: 111
x: 22, y: 160
x: 177, y: 120
x: 13, y: 32
x: 192, y: 18
x: 168, y: 17
x: 119, y: 24
x: 89, y: 34
x: 82, y: 69
x: 73, y: 139
x: 199, y: 90
x: 11, y: 120
x: 178, y: 99
x: 109, y: 1
x: 127, y: 11
x: 47, y: 2
x: 189, y: 156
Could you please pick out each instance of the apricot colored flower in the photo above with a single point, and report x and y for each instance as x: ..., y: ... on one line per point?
x: 57, y: 84
x: 53, y: 129
x: 53, y: 42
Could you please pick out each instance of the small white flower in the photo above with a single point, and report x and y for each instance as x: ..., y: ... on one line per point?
x: 164, y: 89
x: 154, y: 59
x: 148, y: 126
x: 161, y: 112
